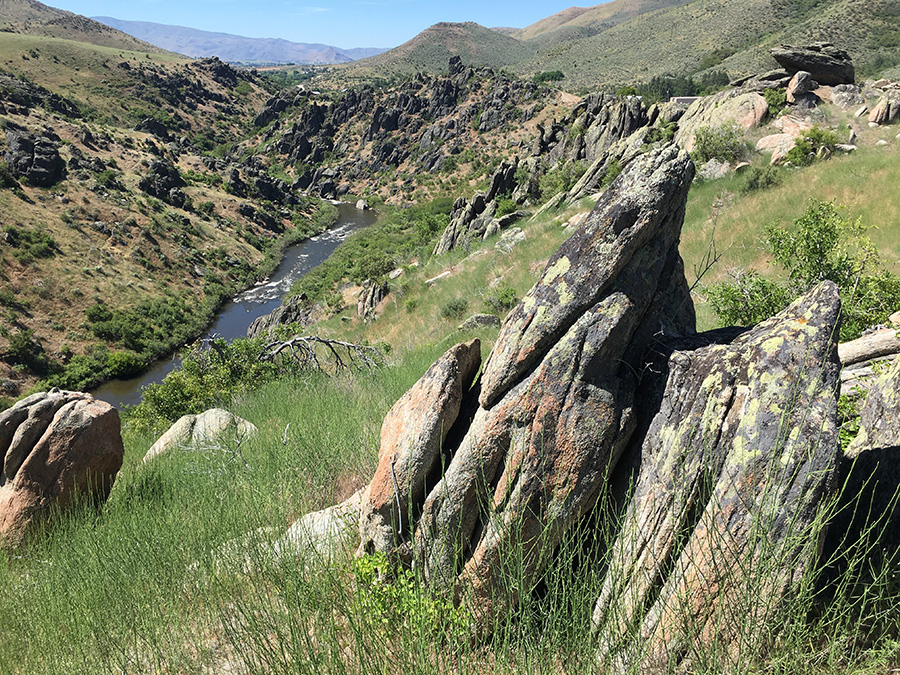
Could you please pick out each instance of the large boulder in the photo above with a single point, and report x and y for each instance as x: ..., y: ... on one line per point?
x: 732, y: 472
x: 745, y: 109
x: 34, y: 157
x: 555, y: 406
x: 211, y: 429
x: 825, y: 63
x: 54, y: 446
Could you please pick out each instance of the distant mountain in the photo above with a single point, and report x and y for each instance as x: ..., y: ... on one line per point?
x: 431, y: 49
x: 29, y: 17
x: 235, y: 48
x: 632, y: 41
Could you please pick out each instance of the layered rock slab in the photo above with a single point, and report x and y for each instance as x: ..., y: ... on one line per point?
x: 733, y: 471
x: 555, y: 403
x: 54, y: 445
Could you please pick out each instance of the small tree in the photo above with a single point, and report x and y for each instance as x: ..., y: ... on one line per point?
x: 821, y: 245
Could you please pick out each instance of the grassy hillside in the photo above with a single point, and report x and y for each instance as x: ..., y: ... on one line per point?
x: 431, y: 49
x: 34, y: 18
x: 628, y: 41
x: 594, y: 19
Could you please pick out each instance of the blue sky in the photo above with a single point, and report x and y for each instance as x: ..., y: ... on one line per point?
x: 341, y: 23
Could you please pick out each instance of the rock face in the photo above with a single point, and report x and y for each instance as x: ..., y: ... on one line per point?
x: 412, y: 439
x: 744, y: 109
x: 293, y: 310
x: 54, y: 445
x: 732, y: 471
x: 34, y: 157
x: 370, y: 297
x: 879, y: 423
x: 529, y: 453
x: 825, y: 63
x: 209, y: 429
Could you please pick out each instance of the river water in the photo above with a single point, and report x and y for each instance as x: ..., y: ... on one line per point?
x: 234, y: 317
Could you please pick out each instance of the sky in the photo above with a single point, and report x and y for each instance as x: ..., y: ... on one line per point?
x: 340, y: 23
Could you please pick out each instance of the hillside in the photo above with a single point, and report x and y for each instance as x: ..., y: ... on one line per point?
x: 593, y: 19
x: 431, y: 49
x: 30, y: 17
x: 121, y: 234
x: 235, y: 48
x: 629, y: 41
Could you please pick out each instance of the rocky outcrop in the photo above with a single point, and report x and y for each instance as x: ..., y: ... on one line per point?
x: 20, y: 95
x: 732, y: 472
x: 744, y: 109
x: 294, y: 310
x: 886, y: 111
x: 35, y: 157
x: 825, y: 63
x: 477, y: 321
x: 55, y: 446
x: 211, y: 429
x: 164, y: 182
x: 559, y: 381
x: 370, y: 297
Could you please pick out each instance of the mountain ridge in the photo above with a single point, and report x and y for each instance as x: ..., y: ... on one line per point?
x: 199, y: 43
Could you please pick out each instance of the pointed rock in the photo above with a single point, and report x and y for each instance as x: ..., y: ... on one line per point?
x: 733, y: 470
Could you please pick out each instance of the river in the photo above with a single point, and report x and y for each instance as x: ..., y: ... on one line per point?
x: 235, y: 316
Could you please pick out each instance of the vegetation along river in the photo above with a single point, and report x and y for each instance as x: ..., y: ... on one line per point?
x: 235, y: 316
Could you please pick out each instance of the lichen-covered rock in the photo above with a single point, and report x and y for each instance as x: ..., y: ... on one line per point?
x: 477, y: 321
x: 53, y: 446
x: 879, y: 419
x: 213, y: 428
x: 412, y: 445
x: 747, y: 110
x: 556, y: 402
x: 733, y: 470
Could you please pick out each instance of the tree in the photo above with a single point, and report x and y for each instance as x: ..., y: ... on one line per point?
x: 821, y: 245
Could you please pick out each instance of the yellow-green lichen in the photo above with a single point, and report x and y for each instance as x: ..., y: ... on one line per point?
x: 559, y: 268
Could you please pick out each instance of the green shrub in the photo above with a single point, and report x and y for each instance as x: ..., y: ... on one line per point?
x: 811, y: 145
x: 505, y: 206
x: 7, y: 180
x: 561, y: 178
x: 821, y: 245
x: 756, y: 178
x: 776, y: 98
x: 501, y: 299
x: 724, y: 143
x: 549, y: 76
x: 454, y: 309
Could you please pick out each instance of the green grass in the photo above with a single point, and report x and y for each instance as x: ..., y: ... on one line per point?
x: 141, y: 585
x: 861, y: 181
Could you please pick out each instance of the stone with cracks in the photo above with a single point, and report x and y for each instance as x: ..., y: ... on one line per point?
x: 211, y: 429
x: 555, y: 407
x: 412, y: 445
x: 879, y: 419
x: 825, y: 63
x: 733, y: 469
x: 53, y: 446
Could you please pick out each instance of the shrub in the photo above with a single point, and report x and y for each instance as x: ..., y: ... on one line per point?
x: 561, y: 178
x: 756, y: 178
x: 811, y: 145
x: 7, y: 180
x: 549, y: 76
x: 776, y: 98
x: 501, y: 299
x: 724, y: 143
x: 454, y: 309
x: 821, y: 245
